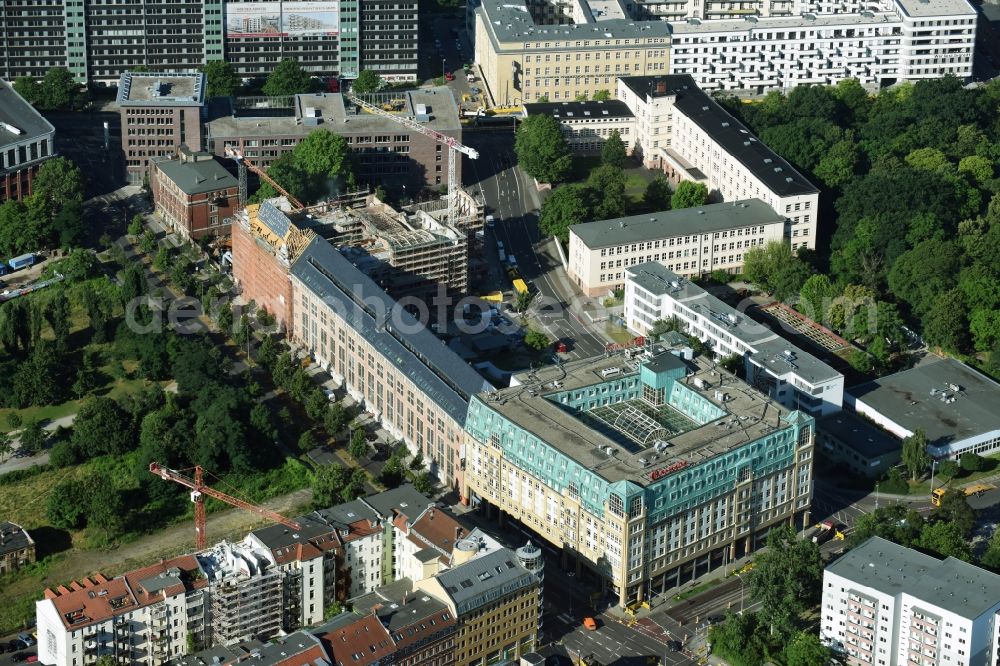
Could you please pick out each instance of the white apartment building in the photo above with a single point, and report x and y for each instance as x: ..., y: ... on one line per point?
x: 905, y: 40
x: 792, y: 377
x: 227, y: 594
x: 886, y: 605
x: 747, y: 46
x: 686, y: 134
x: 395, y: 368
x: 690, y: 242
x: 587, y: 125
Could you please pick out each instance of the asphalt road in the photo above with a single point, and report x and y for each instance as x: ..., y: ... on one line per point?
x: 9, y: 657
x: 512, y: 199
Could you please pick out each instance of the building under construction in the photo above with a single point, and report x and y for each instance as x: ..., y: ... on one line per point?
x: 246, y: 593
x: 408, y: 252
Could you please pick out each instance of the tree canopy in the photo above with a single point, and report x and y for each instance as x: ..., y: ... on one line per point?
x: 318, y: 167
x: 287, y: 78
x: 221, y: 79
x: 910, y: 177
x: 613, y: 152
x: 542, y: 150
x: 57, y: 91
x: 688, y: 195
x: 368, y: 81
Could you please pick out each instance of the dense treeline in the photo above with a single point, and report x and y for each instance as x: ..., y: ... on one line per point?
x: 910, y: 204
x: 52, y: 216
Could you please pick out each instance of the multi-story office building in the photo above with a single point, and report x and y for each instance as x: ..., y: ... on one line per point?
x: 159, y: 112
x: 953, y: 404
x: 648, y: 470
x: 386, y: 153
x: 98, y: 40
x: 388, y: 361
x: 587, y: 125
x: 194, y: 194
x: 886, y: 604
x: 26, y: 140
x: 796, y: 379
x: 526, y: 56
x: 17, y: 548
x: 686, y: 134
x: 533, y: 50
x: 847, y: 439
x: 496, y: 601
x: 691, y: 242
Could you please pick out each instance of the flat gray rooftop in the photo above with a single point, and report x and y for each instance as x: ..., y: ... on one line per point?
x: 750, y: 415
x: 16, y: 112
x: 510, y: 21
x: 331, y: 112
x: 161, y: 89
x: 913, y: 399
x: 925, y: 8
x: 951, y: 584
x: 768, y: 346
x: 859, y: 434
x: 668, y: 223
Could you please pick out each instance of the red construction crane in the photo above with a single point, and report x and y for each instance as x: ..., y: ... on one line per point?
x: 244, y: 163
x: 198, y: 492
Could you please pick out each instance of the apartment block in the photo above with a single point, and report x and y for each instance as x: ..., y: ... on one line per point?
x: 394, y: 367
x: 99, y: 40
x: 422, y: 628
x: 159, y: 112
x: 556, y: 51
x: 144, y: 617
x: 792, y: 377
x: 886, y: 604
x: 496, y: 601
x: 26, y: 140
x: 686, y: 134
x: 901, y: 40
x: 691, y: 242
x: 386, y: 153
x: 17, y: 548
x: 952, y: 403
x: 646, y: 469
x: 194, y: 194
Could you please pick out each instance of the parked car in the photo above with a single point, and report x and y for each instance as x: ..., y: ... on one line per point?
x: 448, y: 76
x: 590, y: 624
x: 27, y: 638
x: 675, y: 646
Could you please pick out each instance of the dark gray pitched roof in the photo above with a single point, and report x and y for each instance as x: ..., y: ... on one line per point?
x: 484, y: 579
x: 734, y: 137
x: 571, y: 110
x: 406, y: 343
x: 13, y: 538
x: 405, y: 498
x: 196, y: 177
x: 681, y: 222
x: 16, y: 112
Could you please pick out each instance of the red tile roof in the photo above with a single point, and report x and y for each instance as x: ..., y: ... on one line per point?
x: 359, y: 643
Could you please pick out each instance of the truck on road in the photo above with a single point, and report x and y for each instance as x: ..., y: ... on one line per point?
x: 23, y: 261
x: 974, y: 490
x: 823, y: 532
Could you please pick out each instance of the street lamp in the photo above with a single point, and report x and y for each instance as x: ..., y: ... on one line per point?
x: 876, y: 496
x: 740, y: 576
x: 933, y: 468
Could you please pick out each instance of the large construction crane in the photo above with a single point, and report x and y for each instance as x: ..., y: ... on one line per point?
x: 198, y: 493
x: 454, y: 146
x: 243, y: 163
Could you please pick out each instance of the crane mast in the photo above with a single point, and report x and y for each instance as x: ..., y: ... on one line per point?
x: 198, y: 493
x: 454, y: 146
x: 244, y: 164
